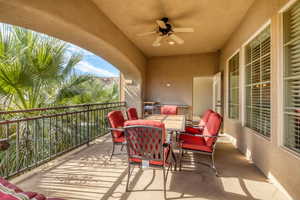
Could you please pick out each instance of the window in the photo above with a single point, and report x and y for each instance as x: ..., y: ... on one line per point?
x: 233, y: 104
x: 292, y: 78
x: 258, y: 83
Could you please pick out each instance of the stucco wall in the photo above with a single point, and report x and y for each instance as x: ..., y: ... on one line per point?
x: 179, y: 72
x: 281, y: 166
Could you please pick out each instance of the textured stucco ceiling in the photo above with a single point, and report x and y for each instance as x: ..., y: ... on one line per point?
x: 213, y: 21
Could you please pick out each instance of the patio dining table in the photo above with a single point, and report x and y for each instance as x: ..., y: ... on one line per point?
x: 172, y: 122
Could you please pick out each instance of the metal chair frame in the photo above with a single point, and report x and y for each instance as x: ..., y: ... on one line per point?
x: 210, y: 154
x: 113, y: 142
x: 148, y: 156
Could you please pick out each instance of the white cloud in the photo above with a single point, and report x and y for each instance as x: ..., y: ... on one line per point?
x: 73, y: 48
x: 86, y: 67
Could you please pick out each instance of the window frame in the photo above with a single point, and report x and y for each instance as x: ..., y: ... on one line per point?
x: 281, y: 81
x: 228, y: 85
x: 243, y: 92
x: 245, y: 85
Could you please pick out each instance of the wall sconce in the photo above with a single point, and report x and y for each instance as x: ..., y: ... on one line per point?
x: 129, y: 82
x: 168, y: 85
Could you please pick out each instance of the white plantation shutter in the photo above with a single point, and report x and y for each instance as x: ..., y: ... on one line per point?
x: 292, y: 78
x: 233, y: 104
x: 258, y: 83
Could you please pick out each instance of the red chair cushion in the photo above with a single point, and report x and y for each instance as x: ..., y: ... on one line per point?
x: 194, y: 143
x: 116, y: 120
x: 120, y: 139
x: 147, y: 123
x: 169, y: 110
x: 9, y: 191
x: 132, y: 114
x: 153, y: 162
x: 212, y: 128
x: 195, y: 131
x: 205, y: 117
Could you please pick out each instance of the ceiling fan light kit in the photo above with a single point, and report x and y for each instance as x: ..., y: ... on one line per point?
x: 165, y: 31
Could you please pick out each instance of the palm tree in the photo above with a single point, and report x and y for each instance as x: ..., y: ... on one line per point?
x: 33, y: 67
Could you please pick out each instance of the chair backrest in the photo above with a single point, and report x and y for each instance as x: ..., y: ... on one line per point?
x: 205, y: 117
x: 145, y: 139
x: 116, y: 120
x: 169, y: 110
x: 132, y: 114
x: 212, y: 128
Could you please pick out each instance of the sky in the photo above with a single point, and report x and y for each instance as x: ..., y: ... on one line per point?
x: 93, y: 64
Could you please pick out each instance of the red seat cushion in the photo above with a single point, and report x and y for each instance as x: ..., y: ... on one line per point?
x: 116, y: 120
x: 194, y: 143
x: 169, y: 110
x: 132, y: 114
x: 195, y: 131
x: 120, y: 139
x: 9, y: 191
x: 153, y: 162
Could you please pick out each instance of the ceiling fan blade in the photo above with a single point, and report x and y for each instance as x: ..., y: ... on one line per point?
x: 146, y: 33
x: 161, y: 24
x: 177, y: 39
x: 183, y: 30
x: 156, y: 42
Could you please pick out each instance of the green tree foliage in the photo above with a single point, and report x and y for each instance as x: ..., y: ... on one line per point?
x: 36, y: 71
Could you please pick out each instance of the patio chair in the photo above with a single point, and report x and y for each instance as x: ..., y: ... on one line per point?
x: 198, y: 129
x: 169, y: 110
x: 132, y: 114
x: 147, y: 146
x: 204, y: 143
x: 116, y: 126
x: 8, y: 191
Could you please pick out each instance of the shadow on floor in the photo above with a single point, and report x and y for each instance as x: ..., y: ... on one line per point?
x: 89, y: 175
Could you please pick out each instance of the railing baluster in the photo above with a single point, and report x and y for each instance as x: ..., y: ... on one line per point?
x: 56, y: 136
x: 88, y: 126
x: 18, y: 147
x: 43, y: 139
x: 26, y: 144
x: 7, y: 152
x: 76, y: 124
x: 50, y: 137
x: 35, y: 152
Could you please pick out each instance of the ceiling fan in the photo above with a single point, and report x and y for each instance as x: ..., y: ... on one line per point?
x: 165, y: 31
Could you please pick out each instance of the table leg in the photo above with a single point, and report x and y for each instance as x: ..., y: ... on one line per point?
x: 174, y: 158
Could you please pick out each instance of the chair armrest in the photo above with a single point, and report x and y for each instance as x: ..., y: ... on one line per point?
x: 207, y: 136
x: 116, y: 129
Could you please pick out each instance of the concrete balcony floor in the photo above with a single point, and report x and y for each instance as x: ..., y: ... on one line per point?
x: 87, y: 174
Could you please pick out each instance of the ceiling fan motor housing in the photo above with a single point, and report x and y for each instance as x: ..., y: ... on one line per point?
x: 167, y: 30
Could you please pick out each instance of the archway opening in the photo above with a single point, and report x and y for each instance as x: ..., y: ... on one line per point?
x: 38, y: 70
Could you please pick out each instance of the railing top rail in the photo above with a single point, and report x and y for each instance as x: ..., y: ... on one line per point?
x: 57, y: 108
x: 51, y: 115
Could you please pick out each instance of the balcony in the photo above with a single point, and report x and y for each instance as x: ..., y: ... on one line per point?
x: 71, y: 160
x: 239, y: 58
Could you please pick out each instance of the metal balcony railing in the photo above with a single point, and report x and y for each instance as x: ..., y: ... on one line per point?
x: 38, y: 135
